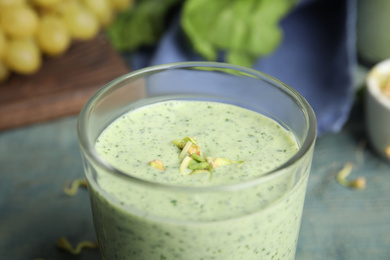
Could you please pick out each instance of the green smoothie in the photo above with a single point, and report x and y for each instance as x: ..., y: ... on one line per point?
x: 201, y: 188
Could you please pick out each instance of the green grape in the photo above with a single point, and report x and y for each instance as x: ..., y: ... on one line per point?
x: 120, y: 5
x: 3, y: 44
x: 4, y: 72
x: 101, y: 9
x: 53, y: 37
x: 45, y: 3
x: 23, y: 56
x: 81, y: 23
x: 8, y: 3
x: 67, y: 6
x: 19, y: 21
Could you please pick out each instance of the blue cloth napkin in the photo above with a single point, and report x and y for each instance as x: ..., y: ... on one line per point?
x: 317, y: 57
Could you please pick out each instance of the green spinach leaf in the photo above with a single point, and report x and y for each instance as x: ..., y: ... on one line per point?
x: 245, y: 29
x: 142, y: 25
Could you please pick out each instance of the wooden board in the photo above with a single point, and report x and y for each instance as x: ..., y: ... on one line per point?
x: 62, y: 86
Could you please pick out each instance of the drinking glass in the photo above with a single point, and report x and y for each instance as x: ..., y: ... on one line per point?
x: 136, y: 218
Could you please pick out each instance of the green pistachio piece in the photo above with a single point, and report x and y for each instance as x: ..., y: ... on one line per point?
x: 180, y: 143
x: 191, y: 139
x: 219, y: 161
x: 157, y: 164
x: 194, y: 160
x: 198, y: 157
x: 194, y: 165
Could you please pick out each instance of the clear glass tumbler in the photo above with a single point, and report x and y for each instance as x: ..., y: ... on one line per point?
x: 140, y: 219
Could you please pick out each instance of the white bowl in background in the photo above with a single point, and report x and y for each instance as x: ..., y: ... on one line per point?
x: 377, y: 109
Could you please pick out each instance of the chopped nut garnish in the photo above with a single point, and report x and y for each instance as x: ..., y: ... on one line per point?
x: 196, y: 161
x: 216, y: 162
x: 197, y: 157
x: 194, y: 165
x: 194, y: 149
x: 358, y: 183
x: 158, y: 164
x: 65, y: 245
x: 72, y: 190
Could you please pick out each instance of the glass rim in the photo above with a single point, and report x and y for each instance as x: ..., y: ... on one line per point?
x: 89, y: 150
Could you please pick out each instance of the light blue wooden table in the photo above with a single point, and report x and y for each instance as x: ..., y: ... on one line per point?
x: 35, y: 161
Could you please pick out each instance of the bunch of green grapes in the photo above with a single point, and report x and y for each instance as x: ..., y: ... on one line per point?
x: 30, y: 29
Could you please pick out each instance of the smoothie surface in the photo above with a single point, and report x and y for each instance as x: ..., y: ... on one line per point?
x: 256, y: 143
x: 135, y: 220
